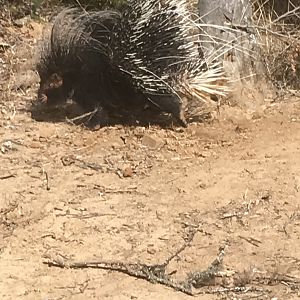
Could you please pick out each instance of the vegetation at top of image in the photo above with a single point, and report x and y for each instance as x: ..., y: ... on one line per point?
x: 20, y: 8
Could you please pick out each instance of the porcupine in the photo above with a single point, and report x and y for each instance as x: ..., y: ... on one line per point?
x: 148, y: 53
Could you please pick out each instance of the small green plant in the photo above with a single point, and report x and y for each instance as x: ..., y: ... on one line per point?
x: 35, y: 7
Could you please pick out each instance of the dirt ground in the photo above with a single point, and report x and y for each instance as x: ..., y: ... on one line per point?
x: 134, y: 194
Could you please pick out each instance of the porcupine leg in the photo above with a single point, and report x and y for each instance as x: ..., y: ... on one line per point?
x: 90, y: 93
x: 51, y: 96
x: 87, y: 99
x: 98, y: 88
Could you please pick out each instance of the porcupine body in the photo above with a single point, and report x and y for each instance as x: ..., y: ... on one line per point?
x: 148, y: 53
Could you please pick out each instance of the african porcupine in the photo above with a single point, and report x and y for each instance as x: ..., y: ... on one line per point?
x: 147, y: 53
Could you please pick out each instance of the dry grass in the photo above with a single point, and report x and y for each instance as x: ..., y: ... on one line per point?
x: 279, y: 34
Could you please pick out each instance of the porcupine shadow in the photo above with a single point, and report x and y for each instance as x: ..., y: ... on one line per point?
x: 86, y: 110
x: 87, y: 96
x: 101, y: 98
x: 70, y: 110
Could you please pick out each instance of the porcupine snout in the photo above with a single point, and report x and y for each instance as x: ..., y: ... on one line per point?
x: 171, y: 104
x: 55, y: 89
x: 51, y: 90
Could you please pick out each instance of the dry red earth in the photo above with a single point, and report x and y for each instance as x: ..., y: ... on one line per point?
x: 134, y: 194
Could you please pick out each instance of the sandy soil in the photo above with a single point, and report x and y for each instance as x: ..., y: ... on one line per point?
x: 133, y: 194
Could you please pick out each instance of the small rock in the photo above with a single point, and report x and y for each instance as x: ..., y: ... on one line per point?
x: 151, y: 250
x: 128, y: 172
x: 117, y: 143
x: 202, y: 185
x: 189, y: 259
x: 22, y: 22
x: 96, y: 127
x: 49, y: 207
x: 35, y: 145
x: 46, y: 132
x: 297, y: 183
x: 151, y: 142
x: 7, y: 146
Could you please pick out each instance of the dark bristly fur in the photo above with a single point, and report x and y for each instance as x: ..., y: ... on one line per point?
x: 78, y: 53
x: 121, y: 60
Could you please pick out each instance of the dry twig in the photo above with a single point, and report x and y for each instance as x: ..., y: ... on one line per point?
x: 7, y: 176
x: 47, y: 181
x: 152, y: 273
x: 89, y: 114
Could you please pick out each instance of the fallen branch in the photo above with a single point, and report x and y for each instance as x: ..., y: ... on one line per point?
x: 151, y: 273
x: 251, y: 240
x: 47, y: 181
x: 68, y: 160
x: 200, y: 279
x: 89, y: 114
x: 111, y: 190
x: 84, y: 216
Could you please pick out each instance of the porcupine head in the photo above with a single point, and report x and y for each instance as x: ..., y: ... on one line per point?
x: 172, y: 104
x: 52, y: 61
x: 51, y: 89
x: 54, y: 87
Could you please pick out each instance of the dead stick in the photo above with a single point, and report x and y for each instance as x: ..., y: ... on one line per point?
x: 7, y: 176
x: 47, y: 181
x: 136, y: 270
